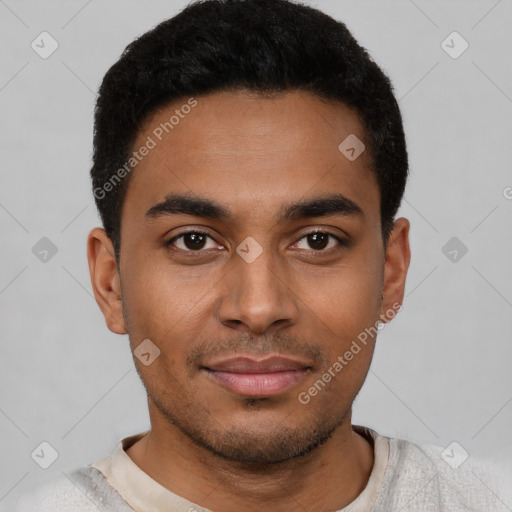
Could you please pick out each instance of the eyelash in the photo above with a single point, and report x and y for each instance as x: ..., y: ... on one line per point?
x: 190, y: 253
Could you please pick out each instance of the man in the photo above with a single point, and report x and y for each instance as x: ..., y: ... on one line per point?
x: 249, y: 161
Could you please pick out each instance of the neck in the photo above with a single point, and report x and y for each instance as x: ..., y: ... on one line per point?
x: 327, y: 478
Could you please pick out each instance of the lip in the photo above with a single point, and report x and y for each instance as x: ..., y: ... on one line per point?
x: 257, y: 377
x: 248, y: 364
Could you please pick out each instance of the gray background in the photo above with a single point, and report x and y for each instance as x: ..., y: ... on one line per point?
x: 441, y: 371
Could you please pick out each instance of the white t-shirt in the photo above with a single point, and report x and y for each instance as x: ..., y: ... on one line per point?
x: 405, y: 477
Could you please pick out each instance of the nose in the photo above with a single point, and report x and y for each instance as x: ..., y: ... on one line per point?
x: 258, y: 296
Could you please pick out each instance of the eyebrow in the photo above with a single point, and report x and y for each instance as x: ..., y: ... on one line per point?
x: 334, y: 204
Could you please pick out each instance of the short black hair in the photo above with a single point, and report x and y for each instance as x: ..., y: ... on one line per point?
x: 264, y: 46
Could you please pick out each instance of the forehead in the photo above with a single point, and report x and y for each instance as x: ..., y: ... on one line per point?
x: 251, y: 153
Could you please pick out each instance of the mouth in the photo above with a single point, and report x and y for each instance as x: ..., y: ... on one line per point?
x: 257, y: 378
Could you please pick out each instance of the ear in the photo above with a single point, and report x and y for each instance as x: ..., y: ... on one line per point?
x: 398, y: 256
x: 105, y: 279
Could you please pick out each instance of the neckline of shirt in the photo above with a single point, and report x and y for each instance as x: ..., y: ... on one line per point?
x: 142, y: 492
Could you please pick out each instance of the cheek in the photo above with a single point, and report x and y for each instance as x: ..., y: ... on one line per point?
x: 173, y: 311
x: 348, y: 300
x: 160, y: 297
x: 345, y: 309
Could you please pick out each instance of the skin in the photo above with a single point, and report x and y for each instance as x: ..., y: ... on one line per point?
x: 252, y: 155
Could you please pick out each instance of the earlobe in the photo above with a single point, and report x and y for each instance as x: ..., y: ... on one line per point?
x: 105, y: 279
x: 398, y: 256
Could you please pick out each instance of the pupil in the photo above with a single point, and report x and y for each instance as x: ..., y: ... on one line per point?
x: 196, y: 238
x: 315, y: 237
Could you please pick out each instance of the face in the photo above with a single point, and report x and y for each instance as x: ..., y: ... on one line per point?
x: 252, y: 259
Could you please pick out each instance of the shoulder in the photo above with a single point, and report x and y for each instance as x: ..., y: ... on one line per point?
x: 420, y: 476
x: 84, y: 489
x: 58, y: 493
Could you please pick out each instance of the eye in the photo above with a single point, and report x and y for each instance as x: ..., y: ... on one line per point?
x: 192, y: 241
x: 197, y: 241
x: 319, y: 240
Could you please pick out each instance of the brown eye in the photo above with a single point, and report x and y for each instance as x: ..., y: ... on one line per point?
x: 320, y: 240
x: 190, y: 241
